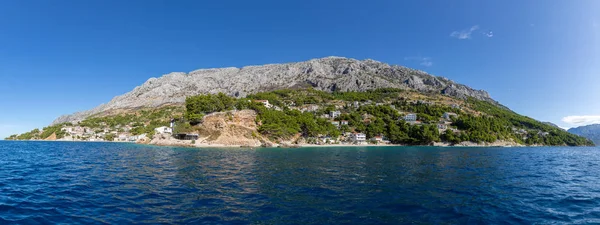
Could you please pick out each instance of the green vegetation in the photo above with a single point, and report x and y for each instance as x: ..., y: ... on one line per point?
x: 37, y: 134
x: 374, y: 112
x: 56, y: 129
x: 142, y: 121
x: 498, y: 123
x: 492, y: 123
x: 110, y: 137
x: 198, y: 106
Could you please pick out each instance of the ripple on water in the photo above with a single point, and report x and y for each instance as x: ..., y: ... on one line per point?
x: 108, y: 183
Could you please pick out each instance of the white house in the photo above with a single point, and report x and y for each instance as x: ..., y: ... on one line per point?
x: 163, y: 130
x: 122, y: 137
x: 309, y: 108
x: 137, y: 137
x: 442, y: 126
x: 410, y: 117
x: 334, y: 114
x: 449, y: 115
x: 265, y: 103
x: 344, y: 122
x: 377, y: 139
x: 335, y: 123
x: 358, y: 137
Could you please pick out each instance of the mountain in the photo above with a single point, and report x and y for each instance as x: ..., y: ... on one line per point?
x: 325, y: 74
x: 591, y: 132
x: 551, y: 124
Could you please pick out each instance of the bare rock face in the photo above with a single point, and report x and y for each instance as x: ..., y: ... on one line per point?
x: 230, y: 128
x: 326, y: 74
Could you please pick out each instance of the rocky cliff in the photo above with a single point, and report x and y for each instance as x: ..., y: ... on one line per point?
x: 327, y: 74
x: 232, y: 128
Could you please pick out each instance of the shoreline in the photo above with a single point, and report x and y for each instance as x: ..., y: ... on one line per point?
x: 206, y: 145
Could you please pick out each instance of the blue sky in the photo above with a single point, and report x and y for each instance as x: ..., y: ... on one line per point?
x: 58, y: 57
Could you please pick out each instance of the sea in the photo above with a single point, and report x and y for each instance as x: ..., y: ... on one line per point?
x: 117, y: 183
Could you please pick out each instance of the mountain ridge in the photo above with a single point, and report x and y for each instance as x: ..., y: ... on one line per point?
x: 591, y: 132
x: 327, y: 74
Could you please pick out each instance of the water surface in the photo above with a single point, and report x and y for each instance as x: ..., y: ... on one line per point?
x: 111, y: 183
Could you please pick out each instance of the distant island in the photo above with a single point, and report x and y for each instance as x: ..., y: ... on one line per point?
x: 321, y: 102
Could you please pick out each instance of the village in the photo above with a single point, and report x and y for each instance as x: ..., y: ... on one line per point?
x: 124, y: 133
x: 351, y: 120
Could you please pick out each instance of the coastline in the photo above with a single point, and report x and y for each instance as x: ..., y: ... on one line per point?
x: 214, y: 145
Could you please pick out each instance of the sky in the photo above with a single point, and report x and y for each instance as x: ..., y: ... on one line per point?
x: 62, y: 56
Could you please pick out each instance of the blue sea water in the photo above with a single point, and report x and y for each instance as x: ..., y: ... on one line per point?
x: 111, y: 183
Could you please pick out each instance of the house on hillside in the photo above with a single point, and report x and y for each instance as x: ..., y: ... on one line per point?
x: 344, y: 122
x: 449, y: 115
x: 334, y: 114
x: 67, y: 129
x: 122, y: 137
x: 377, y: 138
x: 163, y: 130
x: 265, y: 103
x: 358, y: 138
x: 135, y: 138
x: 309, y: 108
x: 335, y: 123
x: 442, y: 127
x: 410, y: 117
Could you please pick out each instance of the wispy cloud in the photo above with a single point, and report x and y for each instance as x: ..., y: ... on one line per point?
x: 423, y: 61
x: 426, y: 63
x: 489, y: 34
x: 582, y: 120
x: 464, y: 34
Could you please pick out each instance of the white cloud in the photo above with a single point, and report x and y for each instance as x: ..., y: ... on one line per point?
x: 464, y: 34
x: 424, y: 61
x: 582, y: 120
x: 488, y: 34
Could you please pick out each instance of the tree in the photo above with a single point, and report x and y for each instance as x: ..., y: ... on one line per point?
x: 448, y: 136
x: 110, y: 137
x: 375, y: 128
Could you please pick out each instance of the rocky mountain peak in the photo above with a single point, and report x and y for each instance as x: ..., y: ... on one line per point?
x: 326, y: 74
